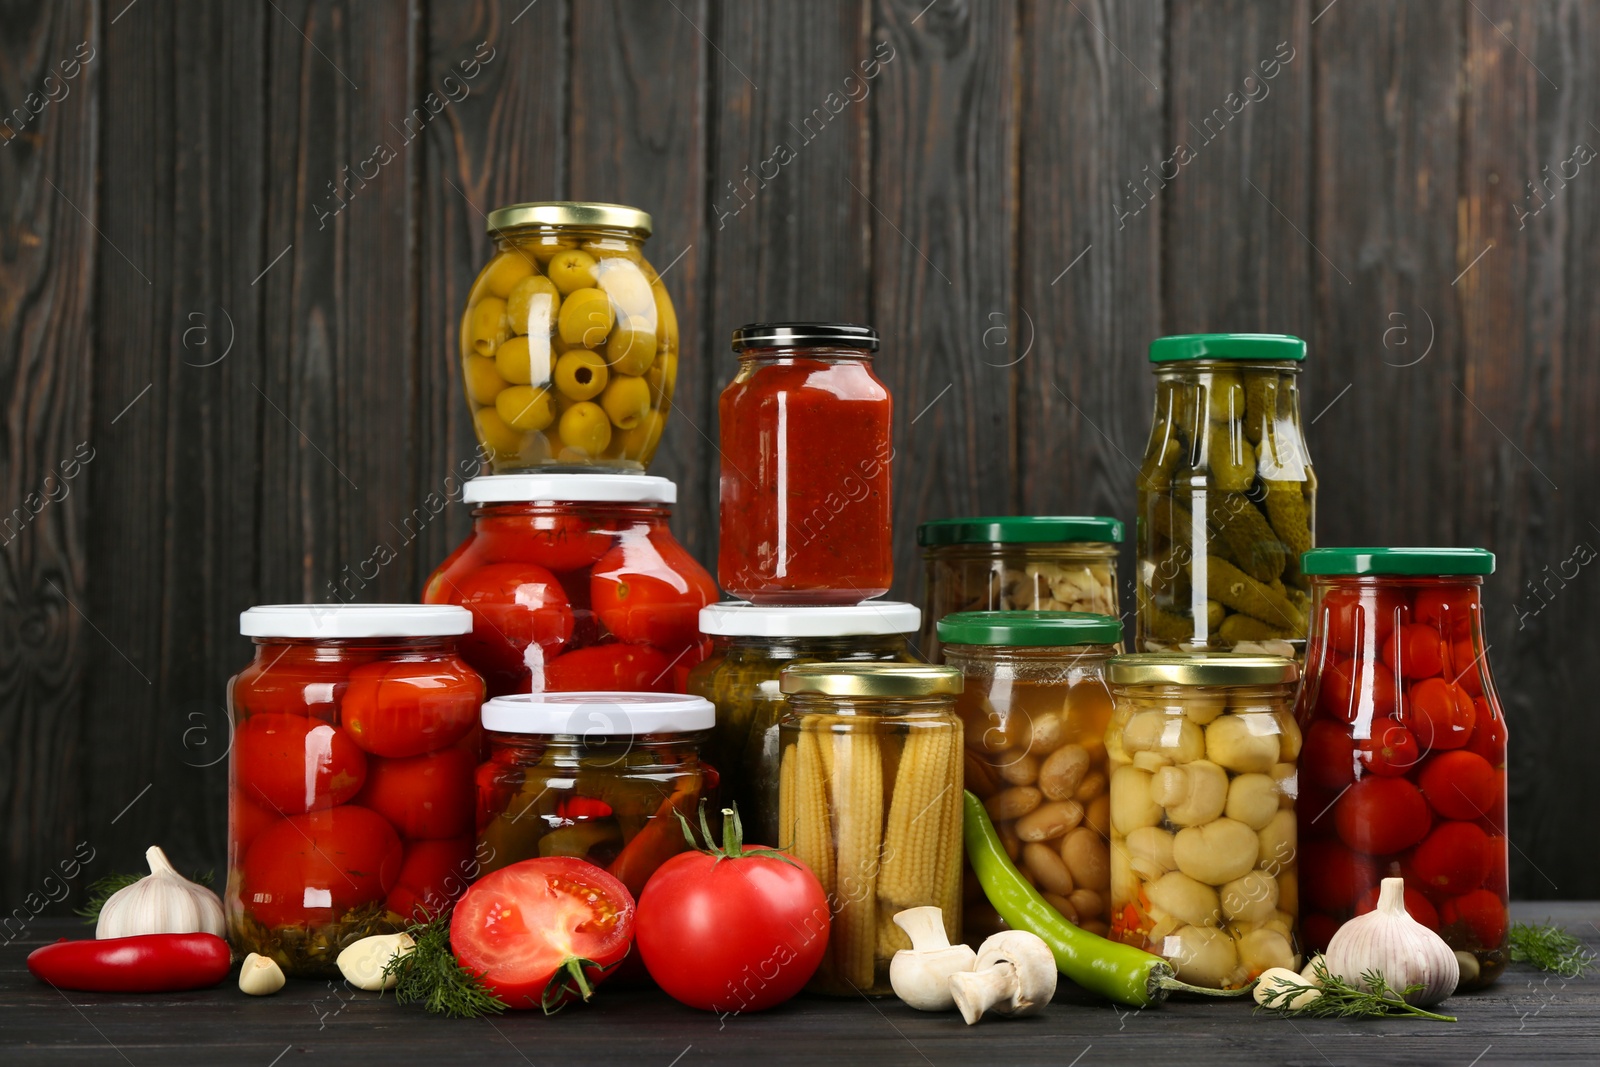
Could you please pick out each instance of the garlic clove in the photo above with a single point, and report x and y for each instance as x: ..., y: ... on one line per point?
x: 362, y: 962
x: 260, y: 976
x: 1388, y: 941
x: 162, y: 902
x: 1278, y: 980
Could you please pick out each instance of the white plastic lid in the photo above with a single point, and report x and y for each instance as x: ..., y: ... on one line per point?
x: 735, y: 619
x: 597, y: 714
x: 570, y: 489
x: 355, y: 620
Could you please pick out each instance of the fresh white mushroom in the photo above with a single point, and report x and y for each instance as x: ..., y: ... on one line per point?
x: 1015, y: 975
x: 920, y: 975
x: 1217, y: 852
x: 1193, y: 793
x: 1243, y: 743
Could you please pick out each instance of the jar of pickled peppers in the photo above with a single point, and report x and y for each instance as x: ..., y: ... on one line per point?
x: 869, y: 798
x: 569, y: 342
x: 1202, y: 751
x: 600, y: 777
x: 1034, y: 709
x: 1227, y: 498
x: 1404, y: 767
x: 355, y: 737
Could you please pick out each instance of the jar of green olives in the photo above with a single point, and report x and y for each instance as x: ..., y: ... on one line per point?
x: 569, y: 342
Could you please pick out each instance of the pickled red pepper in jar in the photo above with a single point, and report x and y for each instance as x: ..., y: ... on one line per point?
x: 806, y: 452
x: 1403, y: 772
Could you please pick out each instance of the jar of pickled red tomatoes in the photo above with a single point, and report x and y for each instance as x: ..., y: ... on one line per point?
x: 1227, y: 498
x: 350, y: 778
x: 1404, y: 768
x: 1018, y: 563
x: 870, y: 799
x: 575, y: 582
x: 569, y: 343
x: 1034, y: 709
x: 806, y: 448
x: 1202, y: 752
x: 755, y: 644
x: 600, y: 777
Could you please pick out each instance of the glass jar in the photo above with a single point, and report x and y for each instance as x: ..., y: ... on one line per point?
x: 355, y: 735
x: 806, y: 450
x: 741, y: 679
x: 1034, y: 711
x: 870, y: 800
x: 599, y: 777
x: 569, y: 343
x: 575, y: 583
x: 1202, y: 753
x: 1405, y: 756
x: 1227, y: 499
x: 1018, y: 563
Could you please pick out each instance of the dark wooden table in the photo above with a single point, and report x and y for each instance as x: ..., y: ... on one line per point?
x: 1528, y: 1017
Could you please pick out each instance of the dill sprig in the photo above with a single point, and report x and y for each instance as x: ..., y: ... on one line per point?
x: 102, y: 889
x: 431, y: 975
x: 1338, y: 999
x: 1549, y: 948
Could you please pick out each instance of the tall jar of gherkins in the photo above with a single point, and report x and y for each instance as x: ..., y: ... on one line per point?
x: 869, y: 797
x: 1227, y: 498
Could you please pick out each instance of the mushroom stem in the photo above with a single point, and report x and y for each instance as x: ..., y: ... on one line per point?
x: 925, y: 927
x: 975, y: 992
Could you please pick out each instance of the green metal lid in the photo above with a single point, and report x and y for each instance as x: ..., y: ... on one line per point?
x: 1018, y: 529
x: 1417, y: 561
x: 1200, y: 668
x: 1029, y: 628
x: 1263, y: 347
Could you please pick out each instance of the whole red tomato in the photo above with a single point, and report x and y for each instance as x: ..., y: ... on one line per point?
x: 424, y: 796
x: 1360, y: 620
x: 733, y: 929
x: 649, y: 590
x: 433, y: 874
x: 295, y: 764
x: 1390, y: 749
x: 407, y: 708
x: 1440, y: 714
x: 513, y: 605
x: 557, y: 542
x: 295, y: 680
x: 1378, y: 816
x: 313, y: 868
x: 610, y: 668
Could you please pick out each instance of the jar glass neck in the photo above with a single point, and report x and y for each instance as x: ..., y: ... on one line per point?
x: 792, y: 647
x: 535, y: 233
x: 268, y: 647
x: 957, y: 654
x: 1188, y: 368
x: 825, y: 354
x: 603, y: 510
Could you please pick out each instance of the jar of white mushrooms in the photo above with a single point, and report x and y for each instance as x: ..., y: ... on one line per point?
x: 1201, y: 750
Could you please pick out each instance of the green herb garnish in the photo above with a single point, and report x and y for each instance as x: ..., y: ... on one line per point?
x: 1338, y: 999
x: 1549, y: 948
x: 431, y: 975
x: 101, y: 890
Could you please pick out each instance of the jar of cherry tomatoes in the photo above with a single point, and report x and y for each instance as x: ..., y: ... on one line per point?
x: 350, y: 788
x: 575, y: 582
x: 569, y: 344
x: 806, y: 450
x: 600, y: 777
x: 1404, y: 767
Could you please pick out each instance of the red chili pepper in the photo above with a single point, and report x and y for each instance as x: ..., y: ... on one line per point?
x: 581, y: 807
x: 146, y: 963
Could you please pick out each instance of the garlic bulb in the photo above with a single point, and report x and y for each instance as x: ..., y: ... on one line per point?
x: 162, y: 902
x: 1388, y: 940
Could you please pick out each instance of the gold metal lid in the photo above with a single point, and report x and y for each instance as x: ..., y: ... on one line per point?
x: 870, y: 679
x: 581, y: 214
x: 1200, y: 668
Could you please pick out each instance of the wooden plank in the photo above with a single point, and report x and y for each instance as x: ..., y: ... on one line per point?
x: 638, y: 136
x: 48, y: 255
x: 944, y: 217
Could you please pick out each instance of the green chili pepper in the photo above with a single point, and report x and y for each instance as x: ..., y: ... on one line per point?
x: 1116, y: 971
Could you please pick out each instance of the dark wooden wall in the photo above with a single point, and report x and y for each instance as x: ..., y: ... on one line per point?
x: 267, y: 389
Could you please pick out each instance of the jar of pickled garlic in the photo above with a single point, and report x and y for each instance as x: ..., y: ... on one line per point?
x: 1202, y: 753
x: 1404, y: 767
x: 806, y: 448
x: 754, y: 644
x: 600, y: 777
x: 1017, y: 563
x: 1227, y: 498
x: 355, y: 736
x: 569, y: 343
x: 869, y: 798
x: 575, y: 582
x: 1034, y: 710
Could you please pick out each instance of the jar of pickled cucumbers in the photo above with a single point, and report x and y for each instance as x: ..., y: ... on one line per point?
x: 1227, y: 498
x: 869, y: 798
x: 1202, y: 751
x: 569, y: 343
x: 1034, y: 710
x: 355, y: 735
x: 755, y: 643
x: 1017, y: 563
x: 600, y: 777
x: 1404, y: 770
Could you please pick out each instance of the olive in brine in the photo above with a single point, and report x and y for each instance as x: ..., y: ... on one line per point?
x: 524, y: 407
x: 631, y: 348
x: 586, y: 317
x: 505, y: 271
x: 572, y: 270
x: 483, y: 380
x: 626, y: 401
x: 493, y: 431
x: 486, y: 325
x: 585, y: 428
x: 581, y: 374
x: 524, y: 314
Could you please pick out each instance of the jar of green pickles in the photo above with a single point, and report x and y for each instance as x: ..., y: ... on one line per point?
x: 753, y: 645
x: 1227, y: 498
x: 870, y: 800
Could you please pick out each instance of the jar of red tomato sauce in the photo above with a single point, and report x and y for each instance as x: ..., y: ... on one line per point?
x: 575, y: 582
x: 806, y: 451
x: 350, y: 779
x: 1403, y: 770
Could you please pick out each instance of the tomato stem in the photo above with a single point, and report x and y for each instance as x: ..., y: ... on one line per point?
x: 733, y: 846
